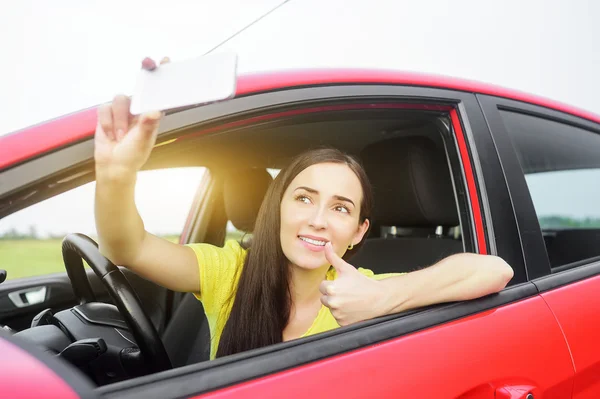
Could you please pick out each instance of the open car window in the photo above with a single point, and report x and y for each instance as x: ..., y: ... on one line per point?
x: 30, y: 239
x: 412, y: 226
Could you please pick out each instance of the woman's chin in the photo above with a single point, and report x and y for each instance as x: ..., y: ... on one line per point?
x: 310, y: 262
x: 311, y: 267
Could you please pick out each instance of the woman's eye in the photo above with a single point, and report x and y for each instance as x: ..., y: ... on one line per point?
x: 303, y: 198
x: 341, y: 208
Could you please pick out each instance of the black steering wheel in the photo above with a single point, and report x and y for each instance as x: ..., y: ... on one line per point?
x: 76, y: 247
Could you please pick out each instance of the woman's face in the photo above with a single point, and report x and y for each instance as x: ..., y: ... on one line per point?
x: 321, y: 204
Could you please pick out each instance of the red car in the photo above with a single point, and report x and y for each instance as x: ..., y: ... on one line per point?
x: 456, y: 167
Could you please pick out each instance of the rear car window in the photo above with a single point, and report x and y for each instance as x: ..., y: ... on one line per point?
x: 561, y: 164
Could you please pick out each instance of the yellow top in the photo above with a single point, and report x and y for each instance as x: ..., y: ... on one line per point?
x: 219, y: 277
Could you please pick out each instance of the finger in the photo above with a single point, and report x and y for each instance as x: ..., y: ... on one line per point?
x: 327, y: 287
x: 148, y: 123
x: 338, y: 263
x: 330, y: 302
x: 325, y: 301
x: 121, y: 115
x: 133, y: 121
x: 105, y: 120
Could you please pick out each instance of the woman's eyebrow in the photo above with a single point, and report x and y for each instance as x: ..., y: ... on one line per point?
x: 310, y: 190
x: 340, y: 198
x: 337, y: 197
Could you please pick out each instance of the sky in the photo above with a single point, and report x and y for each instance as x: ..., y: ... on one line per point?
x: 66, y: 55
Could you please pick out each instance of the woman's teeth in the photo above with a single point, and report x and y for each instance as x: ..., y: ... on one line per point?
x: 314, y: 242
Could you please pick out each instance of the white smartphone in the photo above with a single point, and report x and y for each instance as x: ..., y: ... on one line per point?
x: 189, y: 83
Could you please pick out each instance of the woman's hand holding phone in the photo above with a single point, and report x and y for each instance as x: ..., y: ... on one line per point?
x: 123, y: 142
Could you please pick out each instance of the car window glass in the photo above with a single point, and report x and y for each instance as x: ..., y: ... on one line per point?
x: 562, y: 169
x: 30, y: 239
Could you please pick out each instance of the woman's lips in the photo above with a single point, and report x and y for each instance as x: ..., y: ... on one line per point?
x: 312, y: 247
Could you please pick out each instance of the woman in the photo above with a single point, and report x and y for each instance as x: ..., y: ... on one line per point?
x: 293, y: 281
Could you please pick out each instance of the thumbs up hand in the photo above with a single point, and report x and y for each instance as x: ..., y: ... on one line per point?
x: 352, y: 296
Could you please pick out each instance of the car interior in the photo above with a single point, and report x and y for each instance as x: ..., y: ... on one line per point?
x: 415, y: 222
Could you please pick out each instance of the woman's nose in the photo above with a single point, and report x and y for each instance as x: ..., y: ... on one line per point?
x: 318, y: 219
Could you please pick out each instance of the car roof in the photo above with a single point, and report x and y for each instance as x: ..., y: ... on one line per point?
x: 32, y: 141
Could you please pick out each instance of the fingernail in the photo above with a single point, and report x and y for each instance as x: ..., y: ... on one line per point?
x: 149, y: 119
x: 148, y: 64
x: 154, y: 115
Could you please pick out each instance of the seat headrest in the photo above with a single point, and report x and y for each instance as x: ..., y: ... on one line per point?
x: 411, y: 183
x: 243, y: 193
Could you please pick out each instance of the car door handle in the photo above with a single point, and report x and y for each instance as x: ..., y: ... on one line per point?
x: 28, y: 296
x: 514, y: 392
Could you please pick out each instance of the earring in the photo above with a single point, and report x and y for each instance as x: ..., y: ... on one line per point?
x: 350, y: 247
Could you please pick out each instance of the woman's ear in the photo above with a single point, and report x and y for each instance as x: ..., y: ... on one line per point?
x: 360, y: 233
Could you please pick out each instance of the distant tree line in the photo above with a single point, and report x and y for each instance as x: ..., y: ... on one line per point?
x: 32, y: 233
x: 565, y: 222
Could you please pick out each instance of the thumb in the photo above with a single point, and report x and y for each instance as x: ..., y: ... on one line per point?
x: 340, y: 265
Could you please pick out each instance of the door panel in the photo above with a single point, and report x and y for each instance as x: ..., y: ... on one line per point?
x: 515, y: 349
x: 59, y: 295
x: 577, y: 308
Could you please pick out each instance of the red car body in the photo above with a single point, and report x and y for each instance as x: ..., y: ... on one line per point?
x: 541, y: 341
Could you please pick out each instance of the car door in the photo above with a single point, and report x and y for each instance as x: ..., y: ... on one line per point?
x: 494, y: 347
x: 53, y: 379
x: 556, y: 186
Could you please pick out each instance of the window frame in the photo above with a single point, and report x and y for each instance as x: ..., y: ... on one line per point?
x: 536, y: 257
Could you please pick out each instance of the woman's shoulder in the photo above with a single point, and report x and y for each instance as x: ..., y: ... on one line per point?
x: 235, y: 247
x: 219, y: 271
x: 214, y: 260
x: 231, y: 248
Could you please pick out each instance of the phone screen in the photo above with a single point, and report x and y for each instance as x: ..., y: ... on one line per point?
x: 189, y: 83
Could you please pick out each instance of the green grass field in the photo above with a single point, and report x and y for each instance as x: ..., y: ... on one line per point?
x: 26, y: 258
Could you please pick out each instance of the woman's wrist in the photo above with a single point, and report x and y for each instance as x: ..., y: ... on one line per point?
x: 393, y: 299
x: 115, y: 175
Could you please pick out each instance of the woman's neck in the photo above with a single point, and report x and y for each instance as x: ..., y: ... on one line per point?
x: 304, y: 284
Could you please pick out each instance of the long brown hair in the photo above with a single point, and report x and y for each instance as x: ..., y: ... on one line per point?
x: 261, y: 307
